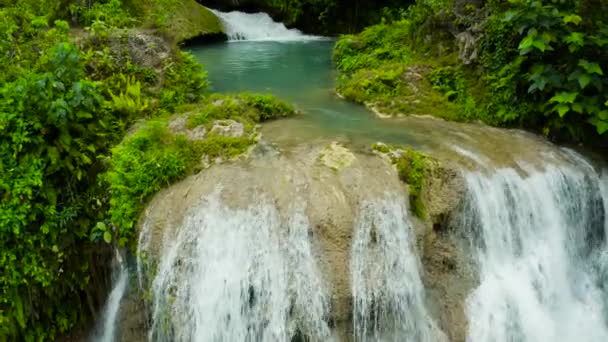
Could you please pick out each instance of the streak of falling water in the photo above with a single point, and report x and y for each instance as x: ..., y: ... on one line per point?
x: 107, y: 330
x: 389, y: 302
x: 541, y: 250
x: 238, y: 275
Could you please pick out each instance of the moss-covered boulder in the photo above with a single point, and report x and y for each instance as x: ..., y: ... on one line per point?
x: 192, y: 21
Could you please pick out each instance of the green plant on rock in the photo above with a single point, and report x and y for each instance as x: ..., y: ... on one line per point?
x: 110, y: 12
x: 185, y: 82
x: 411, y: 168
x: 129, y: 101
x: 153, y: 157
x: 246, y: 108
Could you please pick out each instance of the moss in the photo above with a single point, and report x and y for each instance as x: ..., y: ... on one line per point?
x: 396, y: 89
x: 393, y: 67
x: 155, y: 156
x: 246, y: 108
x: 183, y: 20
x: 141, y: 165
x: 411, y: 168
x: 225, y: 147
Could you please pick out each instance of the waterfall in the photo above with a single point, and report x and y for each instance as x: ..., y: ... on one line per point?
x: 107, y: 329
x: 539, y: 240
x: 386, y: 286
x: 258, y: 27
x: 238, y: 275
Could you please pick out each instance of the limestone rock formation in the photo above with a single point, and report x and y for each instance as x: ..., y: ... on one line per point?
x: 332, y: 182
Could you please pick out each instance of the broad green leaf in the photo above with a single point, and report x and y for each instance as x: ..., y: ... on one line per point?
x: 577, y: 107
x: 540, y: 44
x: 562, y: 109
x: 584, y: 80
x: 100, y: 226
x: 572, y: 18
x: 53, y: 154
x: 526, y: 43
x: 107, y: 237
x: 575, y: 41
x: 602, y: 126
x: 603, y: 115
x: 564, y: 97
x: 590, y: 67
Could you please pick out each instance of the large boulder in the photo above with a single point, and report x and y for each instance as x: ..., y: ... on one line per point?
x: 193, y: 21
x: 332, y: 182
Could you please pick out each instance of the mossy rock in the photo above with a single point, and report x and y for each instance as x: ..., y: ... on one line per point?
x: 193, y: 21
x: 411, y: 167
x: 396, y: 89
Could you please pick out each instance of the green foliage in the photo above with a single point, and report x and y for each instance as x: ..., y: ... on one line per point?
x: 64, y: 102
x: 129, y: 102
x: 549, y: 65
x: 185, y: 82
x: 540, y: 65
x: 154, y: 156
x: 110, y: 12
x: 411, y: 167
x: 50, y: 135
x: 267, y: 106
x: 151, y: 158
x: 452, y: 83
x: 246, y: 108
x: 389, y: 67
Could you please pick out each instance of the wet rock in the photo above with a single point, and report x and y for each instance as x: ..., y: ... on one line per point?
x: 179, y: 125
x: 467, y: 47
x: 449, y: 272
x: 227, y: 128
x: 307, y: 175
x: 336, y: 157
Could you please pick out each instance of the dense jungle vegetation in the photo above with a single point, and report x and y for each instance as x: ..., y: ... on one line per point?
x: 78, y: 76
x: 516, y: 63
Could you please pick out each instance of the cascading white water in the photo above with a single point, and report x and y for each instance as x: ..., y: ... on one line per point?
x: 540, y: 242
x: 388, y: 294
x: 238, y: 275
x: 258, y: 27
x: 107, y: 329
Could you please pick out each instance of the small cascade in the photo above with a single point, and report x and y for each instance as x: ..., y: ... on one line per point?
x: 238, y: 275
x: 107, y: 329
x: 389, y: 302
x: 540, y: 243
x: 258, y: 27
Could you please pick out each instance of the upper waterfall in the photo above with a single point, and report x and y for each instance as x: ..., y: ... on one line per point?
x: 258, y: 27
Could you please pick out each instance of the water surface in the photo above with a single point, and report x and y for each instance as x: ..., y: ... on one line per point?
x: 301, y: 72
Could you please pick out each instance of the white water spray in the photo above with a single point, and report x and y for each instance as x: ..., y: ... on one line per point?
x: 107, y: 330
x: 537, y: 239
x: 238, y: 275
x: 258, y: 27
x: 387, y: 290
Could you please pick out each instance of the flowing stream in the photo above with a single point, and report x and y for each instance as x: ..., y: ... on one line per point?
x: 535, y: 218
